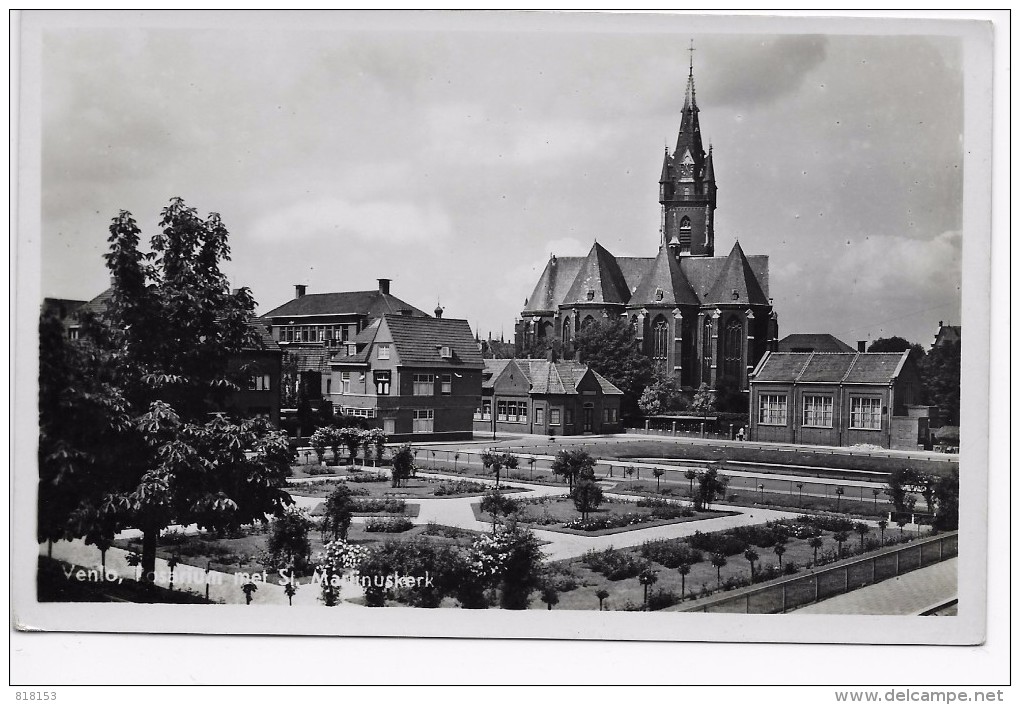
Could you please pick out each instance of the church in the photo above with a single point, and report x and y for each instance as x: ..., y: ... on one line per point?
x: 706, y: 319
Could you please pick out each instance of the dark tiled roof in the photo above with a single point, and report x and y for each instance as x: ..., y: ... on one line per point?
x: 492, y: 370
x: 601, y: 276
x: 368, y: 303
x: 418, y: 340
x: 308, y: 359
x: 851, y: 368
x: 813, y: 342
x: 665, y: 275
x: 737, y: 283
x: 560, y: 377
x: 261, y: 325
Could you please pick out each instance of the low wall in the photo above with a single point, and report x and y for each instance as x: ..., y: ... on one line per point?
x: 827, y: 581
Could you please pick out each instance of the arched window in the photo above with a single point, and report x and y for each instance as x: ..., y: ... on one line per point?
x: 588, y: 320
x: 685, y: 234
x: 732, y: 345
x: 706, y: 350
x: 568, y: 330
x: 545, y: 329
x: 660, y: 342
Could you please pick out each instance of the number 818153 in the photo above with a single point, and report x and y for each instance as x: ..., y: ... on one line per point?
x: 35, y: 695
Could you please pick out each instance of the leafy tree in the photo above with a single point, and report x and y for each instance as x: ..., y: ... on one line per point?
x: 587, y: 496
x: 573, y: 463
x: 691, y: 476
x: 684, y: 569
x: 379, y: 439
x: 862, y: 530
x: 610, y: 349
x: 704, y: 402
x: 940, y: 370
x: 338, y: 512
x: 496, y: 462
x: 647, y: 578
x: 602, y: 594
x: 900, y: 484
x: 172, y: 563
x: 897, y: 344
x: 288, y: 543
x: 779, y: 549
x: 290, y: 589
x: 815, y: 543
x: 511, y: 559
x: 882, y: 525
x: 249, y: 589
x: 718, y: 560
x: 658, y: 472
x: 319, y: 440
x: 840, y: 538
x: 662, y: 396
x: 710, y: 485
x: 163, y: 347
x: 751, y: 555
x: 401, y: 465
x: 839, y: 495
x: 550, y: 596
x: 350, y: 438
x: 495, y: 503
x: 947, y: 500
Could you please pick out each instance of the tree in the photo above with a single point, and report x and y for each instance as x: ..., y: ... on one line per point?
x: 815, y: 543
x: 862, y: 530
x: 572, y: 464
x: 338, y: 512
x: 658, y: 472
x: 840, y: 538
x: 351, y: 438
x: 587, y: 496
x: 249, y: 589
x: 163, y: 350
x: 495, y: 503
x: 288, y: 543
x: 779, y: 549
x: 940, y: 370
x: 602, y: 594
x: 691, y: 476
x: 401, y: 465
x: 897, y: 344
x: 662, y: 396
x: 684, y: 569
x: 172, y: 563
x: 839, y: 495
x: 882, y: 524
x: 751, y: 555
x: 512, y: 560
x: 290, y: 589
x: 610, y: 349
x: 800, y: 491
x: 496, y: 462
x: 456, y: 457
x: 718, y: 560
x: 380, y: 439
x: 710, y: 485
x: 704, y: 402
x: 647, y: 578
x: 947, y: 501
x: 319, y: 440
x: 550, y: 596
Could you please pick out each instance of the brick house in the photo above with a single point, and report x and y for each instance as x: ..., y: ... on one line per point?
x: 561, y: 398
x: 837, y: 399
x: 412, y: 376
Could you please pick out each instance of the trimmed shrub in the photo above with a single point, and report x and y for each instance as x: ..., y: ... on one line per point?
x: 662, y: 598
x: 717, y: 542
x: 670, y: 553
x: 394, y: 525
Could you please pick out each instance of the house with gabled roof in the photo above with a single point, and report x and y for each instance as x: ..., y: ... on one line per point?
x: 548, y: 397
x: 838, y: 399
x: 705, y: 319
x: 415, y: 377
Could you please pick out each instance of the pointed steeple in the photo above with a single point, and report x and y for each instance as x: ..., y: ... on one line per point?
x: 689, y: 137
x: 664, y: 179
x: 737, y: 283
x: 709, y: 166
x: 665, y: 284
x: 599, y: 280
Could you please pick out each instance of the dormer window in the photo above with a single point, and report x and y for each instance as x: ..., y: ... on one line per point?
x: 445, y: 352
x: 352, y: 349
x: 658, y: 294
x: 591, y: 294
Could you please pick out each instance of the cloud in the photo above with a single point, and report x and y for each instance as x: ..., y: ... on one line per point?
x: 769, y: 68
x: 375, y: 222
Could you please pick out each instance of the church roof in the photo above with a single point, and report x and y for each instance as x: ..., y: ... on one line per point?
x: 689, y: 137
x: 737, y: 283
x: 599, y: 280
x: 665, y: 275
x: 552, y: 287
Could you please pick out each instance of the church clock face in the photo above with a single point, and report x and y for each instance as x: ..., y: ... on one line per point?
x: 687, y: 167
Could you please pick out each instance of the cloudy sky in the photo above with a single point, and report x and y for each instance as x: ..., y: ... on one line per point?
x: 455, y: 162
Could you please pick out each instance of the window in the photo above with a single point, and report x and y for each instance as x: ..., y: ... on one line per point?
x: 612, y: 415
x: 73, y: 333
x: 865, y: 412
x: 424, y: 421
x: 732, y: 350
x: 605, y: 415
x: 818, y: 411
x: 258, y: 383
x: 447, y: 385
x: 352, y: 349
x: 554, y: 417
x: 384, y: 351
x: 486, y: 409
x: 522, y: 412
x: 501, y: 411
x: 329, y: 385
x: 382, y: 382
x: 345, y: 382
x: 685, y: 234
x: 539, y: 416
x: 445, y: 352
x: 568, y: 416
x: 772, y: 409
x: 355, y: 411
x: 424, y: 385
x: 660, y: 342
x: 706, y: 350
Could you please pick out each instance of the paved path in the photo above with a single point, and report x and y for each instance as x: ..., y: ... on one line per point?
x: 908, y: 594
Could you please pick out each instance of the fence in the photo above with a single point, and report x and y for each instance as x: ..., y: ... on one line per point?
x: 836, y: 579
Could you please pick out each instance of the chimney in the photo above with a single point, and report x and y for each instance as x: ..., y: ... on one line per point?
x: 384, y: 286
x: 299, y: 290
x: 862, y: 346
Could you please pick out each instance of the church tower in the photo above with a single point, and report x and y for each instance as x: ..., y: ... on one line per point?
x: 687, y: 186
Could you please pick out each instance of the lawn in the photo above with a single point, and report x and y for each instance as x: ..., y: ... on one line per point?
x: 612, y: 517
x: 578, y: 581
x: 413, y: 488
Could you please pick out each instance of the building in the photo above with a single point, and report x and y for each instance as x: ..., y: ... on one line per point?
x: 707, y: 319
x: 946, y: 334
x: 552, y: 398
x: 838, y: 399
x: 310, y: 328
x: 412, y: 376
x: 813, y: 342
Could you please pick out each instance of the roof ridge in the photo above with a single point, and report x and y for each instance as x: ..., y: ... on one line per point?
x: 853, y: 363
x: 811, y: 356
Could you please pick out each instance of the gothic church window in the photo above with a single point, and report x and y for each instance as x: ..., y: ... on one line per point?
x: 706, y: 351
x: 685, y: 234
x: 660, y: 342
x: 732, y: 349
